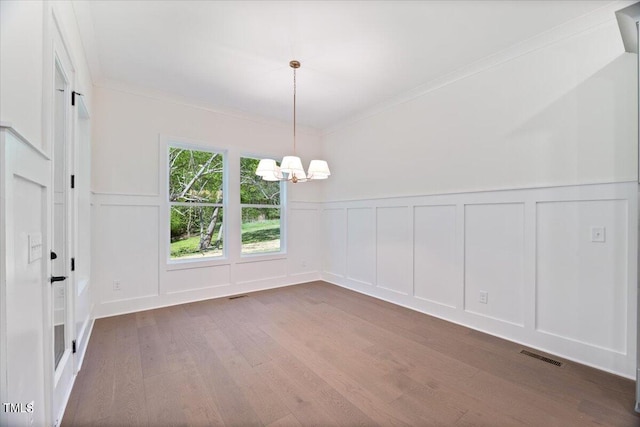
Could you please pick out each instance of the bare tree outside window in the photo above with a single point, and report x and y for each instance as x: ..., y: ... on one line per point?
x: 196, y: 183
x: 261, y: 210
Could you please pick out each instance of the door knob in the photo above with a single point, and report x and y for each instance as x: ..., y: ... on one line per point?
x: 57, y: 278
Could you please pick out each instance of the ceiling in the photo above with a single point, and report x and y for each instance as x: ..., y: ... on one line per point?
x: 355, y: 55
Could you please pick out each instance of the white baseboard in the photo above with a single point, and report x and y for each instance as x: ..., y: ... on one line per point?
x: 114, y: 308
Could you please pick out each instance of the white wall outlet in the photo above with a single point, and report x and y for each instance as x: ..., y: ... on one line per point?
x: 483, y: 298
x: 35, y: 247
x: 598, y: 234
x: 117, y: 285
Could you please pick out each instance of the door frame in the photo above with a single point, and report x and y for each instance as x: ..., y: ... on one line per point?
x: 81, y: 291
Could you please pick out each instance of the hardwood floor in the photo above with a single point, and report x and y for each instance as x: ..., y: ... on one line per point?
x: 317, y: 354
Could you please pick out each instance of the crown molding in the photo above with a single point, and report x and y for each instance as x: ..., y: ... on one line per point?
x: 628, y: 19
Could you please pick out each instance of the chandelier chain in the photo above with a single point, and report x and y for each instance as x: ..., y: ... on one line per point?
x: 294, y: 111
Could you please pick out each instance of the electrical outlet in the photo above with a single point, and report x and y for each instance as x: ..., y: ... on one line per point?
x: 483, y: 297
x: 598, y: 234
x: 116, y: 285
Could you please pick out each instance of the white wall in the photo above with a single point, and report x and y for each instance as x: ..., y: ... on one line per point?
x: 131, y: 123
x: 562, y: 114
x: 129, y: 238
x: 21, y: 67
x: 482, y: 184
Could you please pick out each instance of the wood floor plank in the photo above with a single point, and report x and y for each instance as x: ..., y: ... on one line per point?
x: 267, y: 405
x: 319, y: 355
x: 326, y: 397
x: 180, y: 398
x: 288, y: 421
x: 377, y: 409
x: 300, y: 402
x: 234, y: 407
x: 99, y: 371
x: 130, y: 404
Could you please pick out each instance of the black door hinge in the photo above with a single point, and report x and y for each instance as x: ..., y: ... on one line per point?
x: 73, y: 181
x: 73, y: 346
x: 73, y: 97
x: 73, y: 264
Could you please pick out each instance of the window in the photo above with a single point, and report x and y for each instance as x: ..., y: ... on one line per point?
x: 196, y: 183
x: 260, y: 203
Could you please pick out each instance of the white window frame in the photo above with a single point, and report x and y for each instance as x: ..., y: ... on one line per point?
x: 165, y: 224
x: 283, y: 212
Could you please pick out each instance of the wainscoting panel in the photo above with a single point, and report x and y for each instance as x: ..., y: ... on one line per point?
x: 494, y: 260
x: 126, y: 251
x: 335, y: 242
x: 304, y: 236
x: 436, y: 272
x: 188, y: 279
x: 582, y: 278
x: 255, y: 271
x: 361, y: 246
x: 130, y: 247
x: 548, y: 285
x: 393, y: 254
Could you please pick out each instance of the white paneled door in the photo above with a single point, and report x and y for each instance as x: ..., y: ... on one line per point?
x: 62, y: 296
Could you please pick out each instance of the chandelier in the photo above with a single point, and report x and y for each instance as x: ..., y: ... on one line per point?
x: 290, y: 168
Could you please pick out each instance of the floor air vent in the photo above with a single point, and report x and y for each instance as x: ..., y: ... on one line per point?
x: 239, y: 296
x: 544, y: 359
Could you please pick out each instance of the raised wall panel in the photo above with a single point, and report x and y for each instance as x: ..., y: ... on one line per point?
x: 393, y: 249
x: 581, y: 284
x: 494, y: 260
x: 248, y: 272
x: 335, y: 250
x: 303, y: 241
x: 436, y: 273
x: 25, y: 294
x: 361, y: 251
x: 183, y: 280
x: 127, y: 247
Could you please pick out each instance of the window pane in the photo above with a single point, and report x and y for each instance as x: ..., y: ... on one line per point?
x: 195, y: 176
x: 253, y: 189
x: 196, y: 231
x: 260, y: 230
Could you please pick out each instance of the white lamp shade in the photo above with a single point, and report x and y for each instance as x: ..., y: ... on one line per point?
x: 292, y: 165
x: 273, y: 176
x: 266, y: 167
x: 318, y: 169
